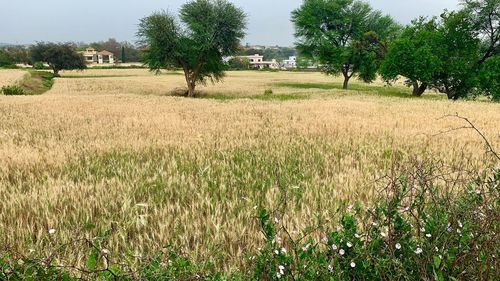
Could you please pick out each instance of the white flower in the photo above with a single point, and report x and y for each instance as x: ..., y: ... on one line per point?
x: 428, y: 235
x: 281, y: 268
x: 276, y: 252
x: 349, y: 244
x: 357, y: 235
x: 334, y: 247
x: 105, y: 251
x: 460, y: 224
x: 422, y: 229
x: 330, y: 268
x: 383, y: 234
x: 418, y: 251
x: 306, y: 247
x: 52, y: 231
x: 325, y: 240
x: 349, y: 208
x: 458, y: 231
x: 278, y: 275
x: 478, y: 192
x: 283, y: 250
x: 341, y: 252
x: 353, y: 264
x: 398, y: 246
x: 374, y: 223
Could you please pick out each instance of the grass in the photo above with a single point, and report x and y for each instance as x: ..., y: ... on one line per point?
x: 364, y: 88
x: 35, y: 82
x: 113, y: 157
x: 264, y: 97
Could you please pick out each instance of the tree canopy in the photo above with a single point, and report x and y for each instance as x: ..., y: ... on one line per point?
x: 415, y: 55
x: 58, y: 56
x: 344, y: 36
x: 210, y: 30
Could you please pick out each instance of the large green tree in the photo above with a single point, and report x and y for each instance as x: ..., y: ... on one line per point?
x: 58, y: 56
x: 415, y: 55
x: 448, y: 54
x: 344, y: 36
x: 210, y: 30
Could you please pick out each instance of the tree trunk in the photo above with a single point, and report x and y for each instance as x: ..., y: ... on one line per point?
x: 56, y: 71
x: 191, y: 89
x: 418, y: 90
x: 346, y: 81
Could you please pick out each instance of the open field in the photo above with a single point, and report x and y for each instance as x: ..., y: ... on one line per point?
x: 110, y: 153
x: 9, y: 76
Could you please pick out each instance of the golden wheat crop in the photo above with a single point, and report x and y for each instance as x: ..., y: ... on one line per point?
x: 116, y: 156
x: 9, y: 77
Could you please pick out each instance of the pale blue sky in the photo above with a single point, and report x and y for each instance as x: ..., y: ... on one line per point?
x: 27, y: 21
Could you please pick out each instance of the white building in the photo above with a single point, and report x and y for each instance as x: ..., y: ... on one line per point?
x: 291, y: 62
x: 94, y: 57
x: 257, y: 61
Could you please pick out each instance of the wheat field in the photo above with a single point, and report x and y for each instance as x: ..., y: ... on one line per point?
x: 111, y: 153
x: 10, y: 77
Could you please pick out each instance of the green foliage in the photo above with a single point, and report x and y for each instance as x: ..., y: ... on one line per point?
x: 58, y: 56
x: 13, y: 90
x: 415, y: 55
x: 489, y: 77
x: 5, y: 58
x: 238, y: 63
x: 38, y: 65
x: 344, y: 36
x: 210, y: 30
x: 415, y: 231
x: 34, y: 83
x: 448, y: 54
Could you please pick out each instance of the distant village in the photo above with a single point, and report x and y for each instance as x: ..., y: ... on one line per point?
x: 113, y: 53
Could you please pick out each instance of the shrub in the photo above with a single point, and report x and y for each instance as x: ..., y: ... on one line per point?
x: 13, y: 90
x: 40, y: 65
x: 268, y: 92
x: 419, y: 229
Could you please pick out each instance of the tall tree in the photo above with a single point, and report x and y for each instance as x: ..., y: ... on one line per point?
x: 344, y: 36
x: 210, y: 30
x: 58, y: 56
x: 415, y: 55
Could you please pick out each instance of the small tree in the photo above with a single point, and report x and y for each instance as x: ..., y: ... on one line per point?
x: 238, y: 63
x: 345, y: 36
x: 122, y: 54
x: 58, y: 56
x: 211, y: 30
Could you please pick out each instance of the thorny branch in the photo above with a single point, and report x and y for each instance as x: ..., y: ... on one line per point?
x: 470, y: 125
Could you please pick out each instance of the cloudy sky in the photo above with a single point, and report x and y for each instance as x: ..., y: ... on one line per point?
x: 27, y: 21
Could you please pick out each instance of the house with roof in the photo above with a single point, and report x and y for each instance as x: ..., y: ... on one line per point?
x: 94, y: 57
x: 257, y: 61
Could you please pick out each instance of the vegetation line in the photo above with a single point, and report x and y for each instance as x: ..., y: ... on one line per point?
x: 33, y: 83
